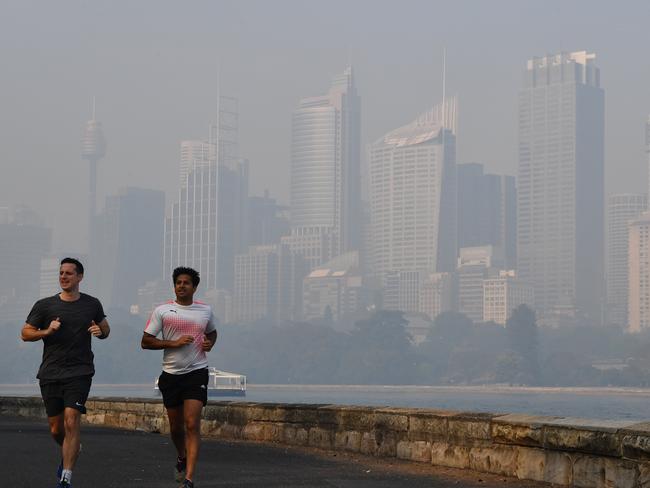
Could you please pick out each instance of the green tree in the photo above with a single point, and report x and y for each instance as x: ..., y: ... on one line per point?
x: 449, y: 332
x: 379, y: 350
x: 521, y: 330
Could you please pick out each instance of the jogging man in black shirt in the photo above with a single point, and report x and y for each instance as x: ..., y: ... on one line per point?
x: 66, y: 323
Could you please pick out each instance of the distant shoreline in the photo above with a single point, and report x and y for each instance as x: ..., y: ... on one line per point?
x: 488, y: 388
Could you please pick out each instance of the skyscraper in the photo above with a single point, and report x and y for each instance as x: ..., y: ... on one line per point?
x: 206, y: 229
x: 268, y: 284
x: 325, y: 169
x: 638, y: 273
x: 621, y: 210
x: 93, y: 148
x: 560, y: 190
x: 267, y: 221
x: 413, y: 195
x: 487, y: 208
x: 129, y: 247
x: 647, y: 150
x: 194, y: 153
x: 24, y: 241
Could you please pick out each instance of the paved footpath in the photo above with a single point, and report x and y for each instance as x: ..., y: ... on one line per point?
x: 115, y: 458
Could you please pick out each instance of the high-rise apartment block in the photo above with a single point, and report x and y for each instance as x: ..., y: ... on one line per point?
x: 268, y: 284
x: 487, y: 210
x: 504, y: 293
x: 256, y: 284
x: 621, y: 210
x: 560, y: 194
x: 639, y: 274
x: 413, y: 195
x: 325, y: 170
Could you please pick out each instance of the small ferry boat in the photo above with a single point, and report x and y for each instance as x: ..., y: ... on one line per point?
x: 221, y: 384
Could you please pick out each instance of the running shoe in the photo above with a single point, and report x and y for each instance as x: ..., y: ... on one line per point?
x: 63, y: 484
x: 180, y: 469
x: 186, y: 484
x: 59, y: 470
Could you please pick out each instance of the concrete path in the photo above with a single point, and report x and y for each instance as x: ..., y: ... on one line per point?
x: 116, y: 458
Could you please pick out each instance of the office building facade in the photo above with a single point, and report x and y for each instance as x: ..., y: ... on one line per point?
x: 325, y: 168
x: 560, y: 193
x: 504, y: 293
x: 487, y: 210
x: 413, y: 195
x: 639, y: 274
x: 621, y: 210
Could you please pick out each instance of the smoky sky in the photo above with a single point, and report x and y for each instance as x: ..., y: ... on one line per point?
x: 156, y: 68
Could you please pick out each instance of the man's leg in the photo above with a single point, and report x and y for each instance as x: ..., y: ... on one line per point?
x: 57, y: 428
x: 72, y: 425
x: 192, y: 415
x: 177, y: 429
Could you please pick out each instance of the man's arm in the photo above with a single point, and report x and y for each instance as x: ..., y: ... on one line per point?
x: 101, y: 330
x: 209, y: 340
x: 152, y: 342
x: 31, y: 333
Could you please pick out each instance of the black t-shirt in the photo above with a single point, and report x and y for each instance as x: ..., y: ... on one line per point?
x: 67, y: 352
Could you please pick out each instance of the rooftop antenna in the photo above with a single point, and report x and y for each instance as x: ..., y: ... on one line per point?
x: 443, y: 114
x: 215, y: 127
x: 94, y: 107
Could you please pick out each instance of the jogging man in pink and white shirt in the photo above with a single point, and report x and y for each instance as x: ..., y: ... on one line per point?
x: 188, y: 333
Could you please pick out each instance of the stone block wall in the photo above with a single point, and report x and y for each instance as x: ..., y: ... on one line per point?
x: 564, y: 451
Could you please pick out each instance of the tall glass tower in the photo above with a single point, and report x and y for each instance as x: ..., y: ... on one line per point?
x: 560, y: 221
x: 325, y: 171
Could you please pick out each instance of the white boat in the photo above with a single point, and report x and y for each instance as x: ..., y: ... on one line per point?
x: 221, y: 384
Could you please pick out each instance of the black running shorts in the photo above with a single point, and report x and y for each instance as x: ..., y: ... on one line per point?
x: 65, y: 393
x: 176, y: 388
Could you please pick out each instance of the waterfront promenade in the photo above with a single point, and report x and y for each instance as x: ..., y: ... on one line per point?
x: 113, y: 458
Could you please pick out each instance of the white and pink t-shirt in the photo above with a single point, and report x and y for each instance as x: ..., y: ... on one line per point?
x: 175, y: 321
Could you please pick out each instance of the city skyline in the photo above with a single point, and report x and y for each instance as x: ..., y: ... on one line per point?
x: 269, y: 63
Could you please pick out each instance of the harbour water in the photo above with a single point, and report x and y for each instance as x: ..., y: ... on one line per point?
x: 595, y: 403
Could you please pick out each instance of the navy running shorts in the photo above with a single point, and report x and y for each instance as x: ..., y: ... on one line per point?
x: 65, y: 393
x: 176, y: 388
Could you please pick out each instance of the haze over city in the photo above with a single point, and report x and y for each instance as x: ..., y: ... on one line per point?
x: 153, y: 66
x: 456, y: 188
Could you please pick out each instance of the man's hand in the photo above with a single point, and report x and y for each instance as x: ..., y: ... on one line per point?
x: 207, y: 344
x: 54, y: 326
x: 184, y: 341
x: 95, y: 329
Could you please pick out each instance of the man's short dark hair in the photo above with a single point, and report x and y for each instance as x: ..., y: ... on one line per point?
x: 77, y: 264
x: 192, y: 273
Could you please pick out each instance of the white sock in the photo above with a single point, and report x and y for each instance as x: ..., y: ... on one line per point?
x: 66, y: 475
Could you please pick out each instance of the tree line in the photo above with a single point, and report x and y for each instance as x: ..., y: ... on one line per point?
x: 376, y: 349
